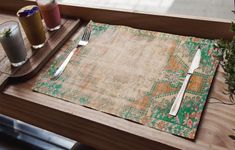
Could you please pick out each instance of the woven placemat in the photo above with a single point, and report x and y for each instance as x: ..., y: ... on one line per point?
x: 136, y: 75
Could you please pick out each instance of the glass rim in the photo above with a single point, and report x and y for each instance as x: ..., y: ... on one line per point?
x: 18, y: 15
x: 9, y: 21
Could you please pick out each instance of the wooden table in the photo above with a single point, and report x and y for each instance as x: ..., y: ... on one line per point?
x: 107, y: 132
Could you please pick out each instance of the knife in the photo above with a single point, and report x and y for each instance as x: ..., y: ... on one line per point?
x: 195, y: 64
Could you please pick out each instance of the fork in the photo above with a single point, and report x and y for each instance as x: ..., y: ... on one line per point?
x: 82, y: 42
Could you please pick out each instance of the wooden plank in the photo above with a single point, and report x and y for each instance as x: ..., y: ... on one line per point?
x: 181, y: 25
x: 107, y: 132
x: 3, y: 80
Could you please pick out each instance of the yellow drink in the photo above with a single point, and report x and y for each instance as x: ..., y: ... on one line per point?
x: 31, y: 22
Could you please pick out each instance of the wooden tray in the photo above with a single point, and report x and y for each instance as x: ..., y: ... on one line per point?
x: 36, y: 58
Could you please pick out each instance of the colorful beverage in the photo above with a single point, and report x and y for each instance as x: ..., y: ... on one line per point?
x: 50, y: 13
x: 13, y: 43
x: 31, y: 22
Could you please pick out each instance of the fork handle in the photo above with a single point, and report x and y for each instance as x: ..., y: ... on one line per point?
x: 64, y: 64
x: 176, y: 105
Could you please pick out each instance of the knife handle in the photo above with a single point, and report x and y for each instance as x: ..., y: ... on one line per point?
x: 176, y: 105
x: 63, y: 65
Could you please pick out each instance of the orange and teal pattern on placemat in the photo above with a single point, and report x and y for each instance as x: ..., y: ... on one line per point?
x: 136, y: 75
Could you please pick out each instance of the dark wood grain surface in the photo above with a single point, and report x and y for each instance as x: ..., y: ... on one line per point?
x: 107, y: 132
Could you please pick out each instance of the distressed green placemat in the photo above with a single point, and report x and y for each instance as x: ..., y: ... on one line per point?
x: 136, y: 74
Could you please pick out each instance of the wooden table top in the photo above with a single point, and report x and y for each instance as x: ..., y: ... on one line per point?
x: 107, y: 132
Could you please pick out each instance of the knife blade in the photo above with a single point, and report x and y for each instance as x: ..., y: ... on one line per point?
x: 194, y: 65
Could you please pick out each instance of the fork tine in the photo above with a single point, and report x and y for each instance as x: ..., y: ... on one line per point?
x: 87, y: 34
x: 90, y: 29
x: 84, y: 34
x: 85, y: 37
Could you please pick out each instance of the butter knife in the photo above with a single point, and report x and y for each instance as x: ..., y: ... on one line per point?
x: 195, y: 64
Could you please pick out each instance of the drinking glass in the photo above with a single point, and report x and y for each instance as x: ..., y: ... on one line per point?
x: 13, y: 43
x: 31, y: 22
x: 50, y: 13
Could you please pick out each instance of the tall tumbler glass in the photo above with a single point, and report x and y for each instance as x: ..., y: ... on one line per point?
x: 50, y: 13
x: 31, y: 22
x: 13, y: 43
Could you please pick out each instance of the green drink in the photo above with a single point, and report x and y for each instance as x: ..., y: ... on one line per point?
x: 12, y: 43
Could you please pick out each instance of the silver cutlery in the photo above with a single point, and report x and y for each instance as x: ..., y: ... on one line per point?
x: 82, y: 42
x: 195, y: 64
